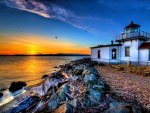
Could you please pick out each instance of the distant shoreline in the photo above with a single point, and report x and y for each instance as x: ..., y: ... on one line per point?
x: 49, y: 55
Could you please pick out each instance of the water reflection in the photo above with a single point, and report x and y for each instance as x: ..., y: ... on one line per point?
x: 28, y: 68
x: 8, y: 96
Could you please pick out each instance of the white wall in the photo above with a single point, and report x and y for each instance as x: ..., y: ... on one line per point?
x: 134, y: 45
x: 106, y: 54
x: 144, y: 55
x: 135, y: 54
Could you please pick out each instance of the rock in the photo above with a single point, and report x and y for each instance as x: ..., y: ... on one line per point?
x: 90, y: 71
x: 64, y: 108
x: 58, y: 97
x: 90, y: 79
x: 118, y: 110
x: 95, y: 96
x: 106, y: 87
x: 44, y: 76
x: 61, y: 66
x: 99, y: 88
x: 101, y: 83
x: 68, y: 67
x: 55, y: 67
x: 92, y: 98
x: 75, y: 78
x: 1, y: 94
x: 16, y: 86
x: 56, y: 75
x: 122, y: 107
x: 75, y: 104
x: 23, y: 106
x: 2, y: 89
x: 77, y: 71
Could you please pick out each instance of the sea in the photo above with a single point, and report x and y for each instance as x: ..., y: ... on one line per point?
x: 29, y: 69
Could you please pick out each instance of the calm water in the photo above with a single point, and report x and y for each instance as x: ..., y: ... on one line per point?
x: 29, y: 68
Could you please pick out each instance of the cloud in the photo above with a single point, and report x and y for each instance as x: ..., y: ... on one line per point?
x: 48, y: 10
x: 85, y: 15
x: 30, y: 6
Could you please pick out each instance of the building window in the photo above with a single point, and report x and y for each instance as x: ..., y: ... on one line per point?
x: 99, y: 54
x: 114, y: 53
x: 127, y: 51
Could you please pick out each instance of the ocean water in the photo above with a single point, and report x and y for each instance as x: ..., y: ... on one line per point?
x: 29, y: 69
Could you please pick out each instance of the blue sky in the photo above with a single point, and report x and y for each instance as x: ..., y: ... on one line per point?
x: 83, y: 23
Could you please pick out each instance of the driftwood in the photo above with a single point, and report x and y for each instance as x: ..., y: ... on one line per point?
x: 65, y: 75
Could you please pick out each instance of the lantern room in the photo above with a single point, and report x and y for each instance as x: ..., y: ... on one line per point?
x: 131, y: 28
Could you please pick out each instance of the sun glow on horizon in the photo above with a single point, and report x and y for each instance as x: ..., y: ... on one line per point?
x: 32, y: 45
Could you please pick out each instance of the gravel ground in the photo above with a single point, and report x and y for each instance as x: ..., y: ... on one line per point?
x: 127, y: 85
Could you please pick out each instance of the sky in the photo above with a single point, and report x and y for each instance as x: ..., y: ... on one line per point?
x: 31, y: 26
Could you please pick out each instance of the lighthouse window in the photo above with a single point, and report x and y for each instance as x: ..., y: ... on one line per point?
x: 127, y: 51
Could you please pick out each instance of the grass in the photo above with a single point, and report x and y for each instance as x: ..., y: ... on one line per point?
x: 138, y: 70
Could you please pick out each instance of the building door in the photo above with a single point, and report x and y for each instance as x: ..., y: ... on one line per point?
x: 114, y: 53
x: 149, y: 55
x: 99, y: 54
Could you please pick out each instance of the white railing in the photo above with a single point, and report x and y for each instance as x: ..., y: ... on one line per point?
x: 134, y: 34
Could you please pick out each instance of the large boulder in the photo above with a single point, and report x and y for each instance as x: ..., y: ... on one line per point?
x: 122, y: 107
x: 58, y: 97
x: 95, y: 96
x: 90, y: 79
x: 16, y: 86
x: 1, y: 94
x: 64, y: 108
x: 92, y: 98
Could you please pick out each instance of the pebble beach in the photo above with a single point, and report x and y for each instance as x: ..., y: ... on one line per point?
x: 130, y: 86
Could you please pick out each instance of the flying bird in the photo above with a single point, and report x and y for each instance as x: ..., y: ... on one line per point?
x: 56, y: 37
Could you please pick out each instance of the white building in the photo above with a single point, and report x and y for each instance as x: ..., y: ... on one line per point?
x: 131, y: 46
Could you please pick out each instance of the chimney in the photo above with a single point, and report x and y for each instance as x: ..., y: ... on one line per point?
x: 112, y: 42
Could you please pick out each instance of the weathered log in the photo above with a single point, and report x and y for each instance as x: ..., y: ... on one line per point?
x: 25, y: 105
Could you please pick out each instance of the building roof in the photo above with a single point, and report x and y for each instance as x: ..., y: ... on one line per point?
x: 132, y: 25
x: 145, y: 45
x: 99, y: 46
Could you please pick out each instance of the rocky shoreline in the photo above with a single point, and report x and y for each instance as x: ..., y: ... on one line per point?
x: 75, y: 87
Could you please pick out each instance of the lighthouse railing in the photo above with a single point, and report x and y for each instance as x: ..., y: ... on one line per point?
x: 133, y: 35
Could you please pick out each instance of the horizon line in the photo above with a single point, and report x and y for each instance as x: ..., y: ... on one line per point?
x: 57, y: 54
